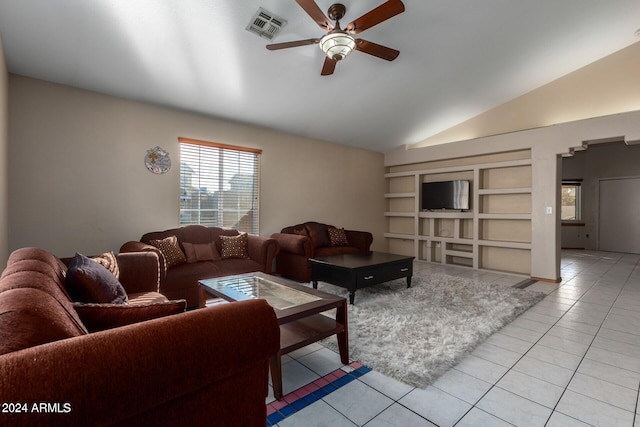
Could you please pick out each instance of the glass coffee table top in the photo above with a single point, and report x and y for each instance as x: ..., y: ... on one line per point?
x: 240, y: 288
x: 299, y: 310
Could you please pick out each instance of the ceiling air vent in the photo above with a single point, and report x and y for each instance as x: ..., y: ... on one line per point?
x: 266, y: 24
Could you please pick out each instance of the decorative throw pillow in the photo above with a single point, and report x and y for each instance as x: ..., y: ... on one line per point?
x: 109, y: 261
x: 337, y: 236
x: 318, y: 234
x: 171, y: 250
x: 235, y: 246
x: 301, y: 231
x: 200, y: 252
x: 98, y: 317
x: 88, y: 281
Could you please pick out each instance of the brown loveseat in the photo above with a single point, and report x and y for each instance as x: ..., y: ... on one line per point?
x: 311, y: 239
x: 203, y: 367
x: 181, y: 280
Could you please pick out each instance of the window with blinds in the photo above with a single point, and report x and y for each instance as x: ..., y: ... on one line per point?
x: 219, y: 185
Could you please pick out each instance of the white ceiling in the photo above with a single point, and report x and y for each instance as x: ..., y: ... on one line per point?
x: 458, y: 58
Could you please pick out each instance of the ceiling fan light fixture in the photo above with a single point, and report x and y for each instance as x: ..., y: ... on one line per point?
x: 337, y: 45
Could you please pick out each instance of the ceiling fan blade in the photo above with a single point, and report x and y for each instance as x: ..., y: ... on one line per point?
x: 376, y: 50
x: 328, y: 67
x: 315, y: 13
x: 375, y: 16
x: 296, y: 43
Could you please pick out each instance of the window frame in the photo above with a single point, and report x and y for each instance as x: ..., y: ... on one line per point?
x: 227, y: 159
x: 577, y: 184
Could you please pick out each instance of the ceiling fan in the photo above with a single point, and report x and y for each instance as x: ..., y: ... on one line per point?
x: 339, y: 43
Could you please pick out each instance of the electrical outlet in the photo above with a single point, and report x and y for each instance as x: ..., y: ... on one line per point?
x: 438, y: 244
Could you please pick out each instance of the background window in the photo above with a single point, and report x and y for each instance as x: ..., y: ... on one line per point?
x: 219, y: 185
x: 570, y: 201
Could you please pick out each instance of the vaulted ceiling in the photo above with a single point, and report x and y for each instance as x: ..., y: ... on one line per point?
x: 458, y: 59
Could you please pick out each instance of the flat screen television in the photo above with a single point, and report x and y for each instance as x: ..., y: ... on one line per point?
x: 445, y: 195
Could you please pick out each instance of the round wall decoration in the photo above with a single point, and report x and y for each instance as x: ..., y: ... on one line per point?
x: 157, y: 160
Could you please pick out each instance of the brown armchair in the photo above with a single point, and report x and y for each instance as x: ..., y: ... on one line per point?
x: 300, y: 242
x: 198, y: 368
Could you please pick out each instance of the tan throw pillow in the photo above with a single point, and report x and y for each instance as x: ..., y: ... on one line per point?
x: 337, y: 236
x: 171, y: 250
x: 235, y: 246
x: 109, y: 261
x: 200, y: 252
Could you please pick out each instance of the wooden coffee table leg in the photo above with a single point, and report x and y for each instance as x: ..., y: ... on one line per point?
x: 275, y: 365
x: 343, y: 337
x: 409, y: 281
x: 315, y: 284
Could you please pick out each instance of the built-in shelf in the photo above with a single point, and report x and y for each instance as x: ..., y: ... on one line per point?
x: 400, y: 214
x: 486, y: 191
x: 521, y: 216
x: 503, y: 244
x: 461, y: 254
x: 463, y: 244
x: 399, y: 195
x: 446, y: 215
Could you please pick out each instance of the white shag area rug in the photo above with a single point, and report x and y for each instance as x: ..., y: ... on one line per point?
x: 416, y: 334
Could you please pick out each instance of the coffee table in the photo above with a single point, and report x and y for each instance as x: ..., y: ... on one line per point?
x: 360, y: 270
x: 298, y: 310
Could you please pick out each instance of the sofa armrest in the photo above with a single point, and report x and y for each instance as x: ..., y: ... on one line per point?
x: 133, y: 246
x: 294, y: 243
x: 139, y: 271
x: 359, y: 239
x: 175, y: 370
x: 262, y: 250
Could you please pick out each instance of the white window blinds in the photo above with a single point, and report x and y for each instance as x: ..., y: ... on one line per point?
x: 219, y: 185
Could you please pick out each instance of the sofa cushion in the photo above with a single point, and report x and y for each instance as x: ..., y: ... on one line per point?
x: 337, y: 236
x: 98, y: 317
x: 200, y: 252
x: 232, y: 266
x: 318, y: 234
x: 235, y: 246
x: 335, y: 250
x: 39, y: 254
x: 33, y: 266
x: 30, y: 317
x: 170, y: 250
x: 109, y: 261
x: 88, y: 281
x: 143, y: 298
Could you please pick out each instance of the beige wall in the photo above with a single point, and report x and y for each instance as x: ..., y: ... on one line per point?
x: 599, y: 161
x: 78, y: 182
x: 608, y: 86
x: 4, y: 175
x: 547, y: 145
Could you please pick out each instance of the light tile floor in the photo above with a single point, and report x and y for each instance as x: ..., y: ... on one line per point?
x: 571, y: 360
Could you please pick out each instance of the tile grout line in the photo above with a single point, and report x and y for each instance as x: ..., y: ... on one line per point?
x: 590, y: 344
x: 533, y: 344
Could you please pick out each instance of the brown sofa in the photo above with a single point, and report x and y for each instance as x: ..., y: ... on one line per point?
x: 311, y: 239
x: 181, y: 281
x: 203, y: 367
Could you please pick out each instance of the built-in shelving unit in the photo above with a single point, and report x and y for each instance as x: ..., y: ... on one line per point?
x: 494, y: 234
